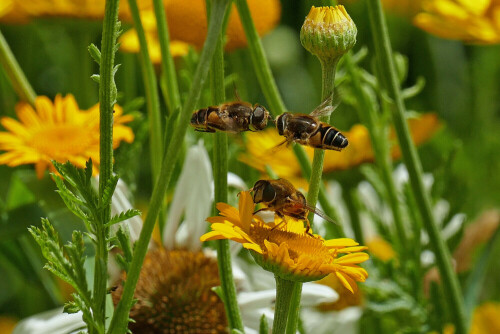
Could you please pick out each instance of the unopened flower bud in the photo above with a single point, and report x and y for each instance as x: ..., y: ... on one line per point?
x: 328, y: 32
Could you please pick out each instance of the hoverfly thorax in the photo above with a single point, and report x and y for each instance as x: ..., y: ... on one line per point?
x: 258, y: 118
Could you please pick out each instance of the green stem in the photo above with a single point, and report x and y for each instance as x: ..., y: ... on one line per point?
x: 305, y: 165
x: 294, y: 311
x: 220, y: 189
x: 173, y: 98
x: 107, y: 100
x: 328, y: 85
x: 284, y: 292
x: 380, y: 144
x: 119, y: 321
x: 15, y: 74
x: 261, y: 65
x: 151, y: 89
x: 386, y: 62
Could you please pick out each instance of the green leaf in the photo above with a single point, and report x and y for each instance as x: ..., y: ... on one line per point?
x: 123, y: 216
x: 95, y: 53
x: 108, y: 191
x: 263, y: 326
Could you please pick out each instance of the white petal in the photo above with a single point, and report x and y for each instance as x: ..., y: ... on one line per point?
x: 342, y: 322
x: 193, y: 195
x: 256, y: 299
x: 454, y: 226
x: 314, y: 294
x: 50, y: 322
x: 235, y: 181
x: 427, y: 258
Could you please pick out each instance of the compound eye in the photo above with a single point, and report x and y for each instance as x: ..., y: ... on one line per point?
x: 268, y: 193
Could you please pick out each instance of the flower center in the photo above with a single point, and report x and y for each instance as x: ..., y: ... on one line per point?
x: 174, y: 294
x: 298, y: 243
x: 63, y: 140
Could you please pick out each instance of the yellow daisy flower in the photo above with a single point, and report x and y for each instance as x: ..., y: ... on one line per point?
x: 187, y: 23
x: 58, y: 131
x: 285, y: 248
x: 468, y: 21
x: 284, y: 163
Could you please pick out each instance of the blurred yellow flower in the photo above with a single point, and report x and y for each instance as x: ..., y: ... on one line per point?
x: 21, y: 10
x: 381, y: 249
x: 187, y: 23
x: 7, y: 324
x: 485, y: 320
x: 58, y: 131
x: 468, y: 21
x: 285, y: 248
x: 129, y: 42
x: 259, y: 150
x: 346, y: 297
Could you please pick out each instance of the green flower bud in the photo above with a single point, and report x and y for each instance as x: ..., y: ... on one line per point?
x: 328, y: 32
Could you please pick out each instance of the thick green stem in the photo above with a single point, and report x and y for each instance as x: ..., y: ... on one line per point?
x: 328, y: 85
x: 261, y: 65
x: 443, y: 260
x: 173, y: 98
x: 120, y: 318
x: 220, y: 190
x: 380, y: 144
x: 284, y: 292
x: 107, y: 100
x: 151, y: 89
x: 15, y: 74
x: 294, y: 311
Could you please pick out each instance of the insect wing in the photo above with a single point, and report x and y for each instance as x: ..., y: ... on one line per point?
x: 316, y: 211
x: 328, y: 105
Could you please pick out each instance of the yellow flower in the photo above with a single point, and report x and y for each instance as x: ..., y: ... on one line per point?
x: 468, y: 21
x: 285, y: 249
x: 485, y: 320
x: 58, y: 131
x: 381, y: 249
x: 187, y: 23
x: 129, y: 42
x: 346, y: 297
x: 21, y: 10
x: 284, y: 163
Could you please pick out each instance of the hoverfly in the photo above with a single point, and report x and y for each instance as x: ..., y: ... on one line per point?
x: 281, y: 197
x: 236, y: 116
x: 307, y: 129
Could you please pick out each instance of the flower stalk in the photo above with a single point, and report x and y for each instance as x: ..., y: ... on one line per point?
x: 220, y: 188
x: 107, y: 100
x: 151, y: 90
x: 443, y: 259
x: 15, y: 74
x: 284, y: 292
x: 120, y: 318
x: 294, y: 311
x: 173, y: 99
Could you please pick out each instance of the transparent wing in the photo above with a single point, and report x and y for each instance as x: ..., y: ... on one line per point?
x: 315, y: 210
x: 328, y: 105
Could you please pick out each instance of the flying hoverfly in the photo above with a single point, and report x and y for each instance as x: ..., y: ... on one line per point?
x: 307, y: 129
x: 233, y: 117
